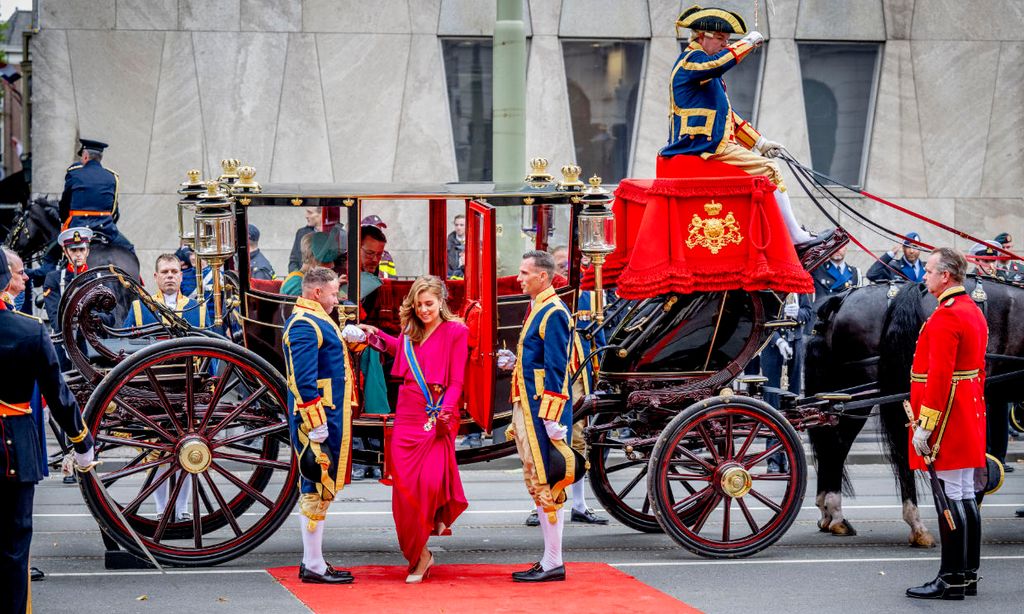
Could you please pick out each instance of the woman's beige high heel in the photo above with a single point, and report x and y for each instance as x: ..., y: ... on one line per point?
x: 417, y: 578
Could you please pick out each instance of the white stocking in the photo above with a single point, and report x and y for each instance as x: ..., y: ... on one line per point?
x: 552, y: 539
x: 796, y: 233
x: 579, y: 496
x: 312, y: 546
x: 181, y: 505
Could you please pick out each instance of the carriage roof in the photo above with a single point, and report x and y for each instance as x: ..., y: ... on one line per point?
x: 334, y: 194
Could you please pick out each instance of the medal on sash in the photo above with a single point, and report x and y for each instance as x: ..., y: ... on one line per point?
x: 433, y: 407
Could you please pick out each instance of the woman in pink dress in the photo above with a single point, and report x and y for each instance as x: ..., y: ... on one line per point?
x: 430, y: 358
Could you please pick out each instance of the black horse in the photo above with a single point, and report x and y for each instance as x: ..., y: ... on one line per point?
x: 34, y: 233
x: 868, y: 335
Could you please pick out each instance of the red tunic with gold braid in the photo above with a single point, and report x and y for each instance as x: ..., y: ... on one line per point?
x: 947, y: 382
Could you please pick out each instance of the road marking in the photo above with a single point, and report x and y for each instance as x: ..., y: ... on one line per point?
x: 170, y: 572
x: 809, y: 508
x: 895, y: 559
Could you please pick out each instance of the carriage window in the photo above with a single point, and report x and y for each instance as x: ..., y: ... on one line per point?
x: 467, y: 65
x: 839, y: 81
x: 604, y: 83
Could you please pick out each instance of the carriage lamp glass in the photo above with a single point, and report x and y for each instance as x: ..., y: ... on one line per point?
x: 215, y: 237
x: 596, y: 233
x: 596, y: 221
x: 190, y: 190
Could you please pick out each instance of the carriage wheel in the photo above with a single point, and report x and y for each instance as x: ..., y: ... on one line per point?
x: 199, y: 422
x: 709, y: 481
x: 618, y: 472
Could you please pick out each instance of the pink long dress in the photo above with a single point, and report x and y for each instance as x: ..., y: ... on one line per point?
x: 427, y: 488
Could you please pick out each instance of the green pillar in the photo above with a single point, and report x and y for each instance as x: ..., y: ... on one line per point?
x: 509, y: 125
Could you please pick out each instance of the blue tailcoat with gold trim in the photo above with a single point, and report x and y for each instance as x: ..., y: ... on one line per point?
x: 319, y: 375
x: 701, y: 119
x: 540, y: 379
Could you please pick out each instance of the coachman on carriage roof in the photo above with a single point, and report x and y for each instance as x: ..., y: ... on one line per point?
x: 702, y: 120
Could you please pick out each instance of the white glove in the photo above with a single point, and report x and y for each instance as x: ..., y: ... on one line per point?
x: 353, y: 334
x: 921, y: 436
x: 753, y: 38
x: 84, y: 459
x: 506, y: 359
x: 319, y: 434
x: 785, y: 349
x: 556, y: 430
x: 791, y: 310
x: 768, y: 149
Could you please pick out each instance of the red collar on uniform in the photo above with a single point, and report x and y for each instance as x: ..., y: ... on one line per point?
x: 71, y: 269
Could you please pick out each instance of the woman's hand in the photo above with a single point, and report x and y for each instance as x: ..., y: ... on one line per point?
x: 369, y: 330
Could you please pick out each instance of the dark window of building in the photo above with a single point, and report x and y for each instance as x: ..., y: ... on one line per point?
x: 603, y: 79
x: 468, y: 67
x: 839, y: 81
x: 743, y: 83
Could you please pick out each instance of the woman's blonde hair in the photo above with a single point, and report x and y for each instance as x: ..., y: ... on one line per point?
x: 411, y: 324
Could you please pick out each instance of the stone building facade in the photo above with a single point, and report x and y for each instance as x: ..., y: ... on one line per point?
x: 355, y: 90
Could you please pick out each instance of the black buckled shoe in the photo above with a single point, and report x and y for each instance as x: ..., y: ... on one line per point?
x: 36, y: 574
x: 588, y: 516
x: 331, y: 576
x: 949, y: 586
x: 537, y: 574
x: 532, y: 520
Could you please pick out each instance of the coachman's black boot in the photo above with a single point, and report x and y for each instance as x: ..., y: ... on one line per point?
x: 949, y: 584
x: 972, y: 523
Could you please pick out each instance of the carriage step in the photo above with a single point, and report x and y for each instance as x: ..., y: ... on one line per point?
x: 751, y: 379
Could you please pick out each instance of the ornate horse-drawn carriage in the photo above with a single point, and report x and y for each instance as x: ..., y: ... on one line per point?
x: 196, y: 422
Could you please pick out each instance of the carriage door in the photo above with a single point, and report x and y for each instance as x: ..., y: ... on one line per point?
x: 481, y: 312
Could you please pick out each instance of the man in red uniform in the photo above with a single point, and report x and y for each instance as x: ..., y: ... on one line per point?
x: 947, y: 382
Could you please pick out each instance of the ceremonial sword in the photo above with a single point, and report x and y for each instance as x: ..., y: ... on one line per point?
x: 938, y: 492
x: 117, y: 512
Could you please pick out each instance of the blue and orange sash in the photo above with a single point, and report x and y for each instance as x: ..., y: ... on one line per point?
x: 433, y: 407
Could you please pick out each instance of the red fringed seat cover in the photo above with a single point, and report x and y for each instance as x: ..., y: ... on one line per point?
x: 700, y: 227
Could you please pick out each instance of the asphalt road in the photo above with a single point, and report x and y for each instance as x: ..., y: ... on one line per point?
x: 806, y: 571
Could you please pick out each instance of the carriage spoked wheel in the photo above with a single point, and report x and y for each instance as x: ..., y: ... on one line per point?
x: 194, y: 441
x: 618, y: 475
x: 709, y: 480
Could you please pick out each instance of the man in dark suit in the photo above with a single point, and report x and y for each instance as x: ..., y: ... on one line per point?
x: 835, y: 275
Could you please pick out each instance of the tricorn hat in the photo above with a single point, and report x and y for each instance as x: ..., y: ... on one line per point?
x: 558, y: 468
x: 711, y: 20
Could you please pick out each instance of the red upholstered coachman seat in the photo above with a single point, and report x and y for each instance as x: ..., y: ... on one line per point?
x: 700, y: 227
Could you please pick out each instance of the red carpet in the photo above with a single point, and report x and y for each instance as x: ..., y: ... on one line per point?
x: 589, y: 588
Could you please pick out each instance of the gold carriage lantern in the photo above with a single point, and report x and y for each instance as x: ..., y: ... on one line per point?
x: 215, y: 236
x: 190, y: 191
x: 229, y: 172
x: 596, y: 230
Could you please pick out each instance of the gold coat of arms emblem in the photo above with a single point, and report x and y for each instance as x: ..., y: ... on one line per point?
x: 713, y: 233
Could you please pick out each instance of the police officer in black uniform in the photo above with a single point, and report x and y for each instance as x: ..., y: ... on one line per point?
x: 835, y: 275
x: 27, y: 358
x: 90, y: 195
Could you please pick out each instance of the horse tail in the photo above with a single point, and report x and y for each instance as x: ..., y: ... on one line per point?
x: 900, y: 330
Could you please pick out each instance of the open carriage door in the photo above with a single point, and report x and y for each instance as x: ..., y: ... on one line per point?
x: 481, y: 312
